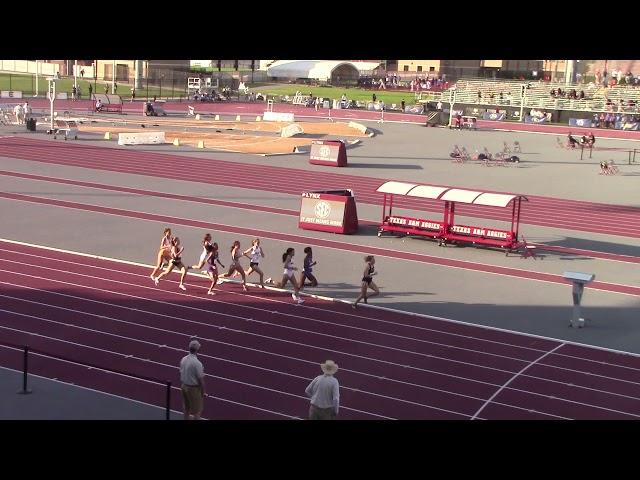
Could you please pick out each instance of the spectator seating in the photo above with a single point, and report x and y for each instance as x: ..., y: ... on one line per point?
x: 538, y: 95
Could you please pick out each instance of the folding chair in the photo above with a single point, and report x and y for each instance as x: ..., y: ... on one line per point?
x: 191, y: 112
x: 526, y: 250
x: 506, y: 149
x: 516, y: 147
x: 456, y: 155
x: 612, y: 169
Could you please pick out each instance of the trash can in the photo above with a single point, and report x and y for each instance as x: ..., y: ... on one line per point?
x: 31, y: 124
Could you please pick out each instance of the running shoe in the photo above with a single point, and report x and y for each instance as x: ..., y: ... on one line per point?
x: 182, y: 287
x: 269, y: 280
x: 293, y: 295
x: 244, y: 287
x: 300, y: 301
x: 156, y: 281
x: 211, y: 293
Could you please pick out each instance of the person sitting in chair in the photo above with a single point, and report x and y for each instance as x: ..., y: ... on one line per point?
x: 571, y: 142
x: 148, y: 109
x: 98, y: 105
x: 604, y: 168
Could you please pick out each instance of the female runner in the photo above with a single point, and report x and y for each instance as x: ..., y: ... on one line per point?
x: 367, y: 280
x: 164, y: 253
x: 235, y: 266
x: 176, y: 261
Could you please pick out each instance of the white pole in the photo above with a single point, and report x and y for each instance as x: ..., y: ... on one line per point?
x: 75, y: 74
x: 37, y: 68
x: 452, y: 101
x: 52, y: 99
x: 113, y: 79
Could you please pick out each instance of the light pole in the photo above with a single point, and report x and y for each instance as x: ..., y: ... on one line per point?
x: 37, y: 68
x: 523, y: 94
x: 52, y: 98
x: 113, y: 79
x: 452, y: 101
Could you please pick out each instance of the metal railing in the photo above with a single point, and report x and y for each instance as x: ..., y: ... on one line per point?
x: 25, y: 371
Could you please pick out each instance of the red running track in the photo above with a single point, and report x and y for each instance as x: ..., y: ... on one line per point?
x: 546, y: 211
x: 279, y: 211
x: 260, y: 350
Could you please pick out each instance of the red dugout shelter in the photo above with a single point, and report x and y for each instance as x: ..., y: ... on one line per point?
x: 446, y: 230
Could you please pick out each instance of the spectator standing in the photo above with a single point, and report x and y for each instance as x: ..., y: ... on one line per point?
x: 90, y: 90
x: 133, y: 94
x: 192, y: 378
x: 82, y: 72
x: 402, y: 105
x: 324, y: 392
x: 115, y: 88
x: 106, y: 89
x: 26, y: 109
x: 74, y: 92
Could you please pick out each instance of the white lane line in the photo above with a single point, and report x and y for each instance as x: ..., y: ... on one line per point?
x: 439, y: 373
x: 295, y: 358
x: 277, y: 325
x: 145, y: 360
x: 376, y: 307
x: 94, y: 390
x: 239, y: 305
x: 315, y: 241
x: 296, y: 316
x: 506, y: 384
x: 132, y: 339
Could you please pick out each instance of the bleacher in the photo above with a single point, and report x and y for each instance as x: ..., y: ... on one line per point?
x: 538, y: 95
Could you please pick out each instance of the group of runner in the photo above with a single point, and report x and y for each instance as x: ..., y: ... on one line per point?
x: 171, y: 251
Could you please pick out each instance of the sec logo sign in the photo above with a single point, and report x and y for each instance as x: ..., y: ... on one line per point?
x: 322, y: 209
x: 324, y: 151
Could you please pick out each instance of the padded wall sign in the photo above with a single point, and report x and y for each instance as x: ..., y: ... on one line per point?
x: 328, y: 211
x: 328, y: 152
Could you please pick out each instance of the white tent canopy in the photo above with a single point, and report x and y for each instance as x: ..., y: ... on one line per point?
x: 316, y: 69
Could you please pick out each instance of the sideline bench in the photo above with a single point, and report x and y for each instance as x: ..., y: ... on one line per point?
x: 110, y: 103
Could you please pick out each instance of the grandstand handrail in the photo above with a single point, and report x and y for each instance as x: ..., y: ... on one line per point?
x: 26, y: 349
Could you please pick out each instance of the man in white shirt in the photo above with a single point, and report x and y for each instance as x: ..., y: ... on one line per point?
x: 324, y: 392
x: 192, y: 378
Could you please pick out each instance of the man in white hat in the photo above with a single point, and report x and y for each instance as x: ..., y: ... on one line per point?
x: 324, y: 391
x: 192, y: 378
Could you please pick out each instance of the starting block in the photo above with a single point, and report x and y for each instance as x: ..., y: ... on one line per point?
x: 258, y: 118
x: 107, y: 135
x: 201, y: 144
x: 217, y: 118
x: 198, y: 116
x: 237, y: 118
x: 176, y: 142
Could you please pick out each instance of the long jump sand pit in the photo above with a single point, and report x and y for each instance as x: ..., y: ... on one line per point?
x: 269, y: 144
x: 350, y: 129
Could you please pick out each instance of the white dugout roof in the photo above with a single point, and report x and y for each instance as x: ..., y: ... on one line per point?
x: 457, y: 195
